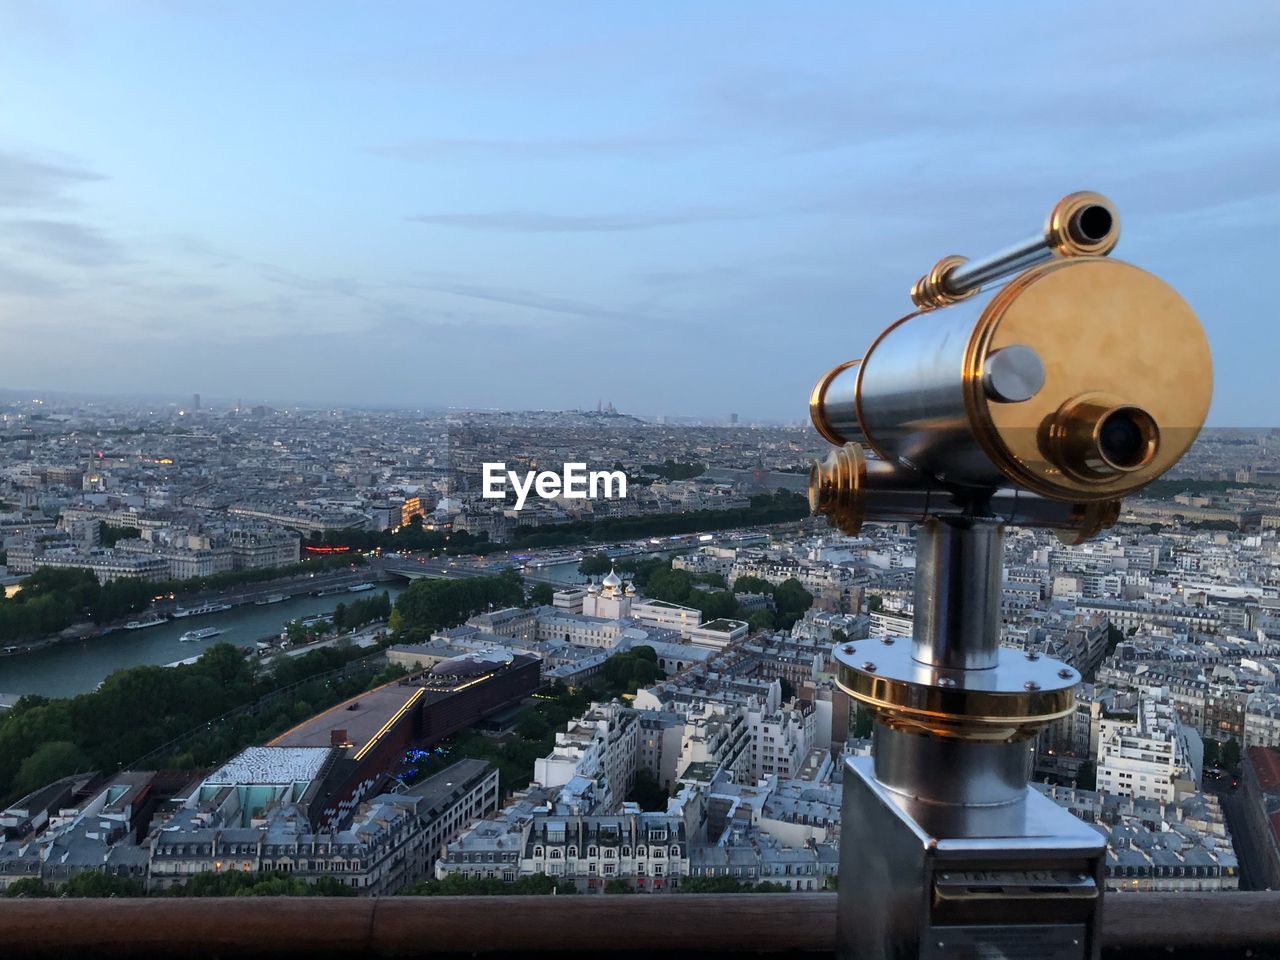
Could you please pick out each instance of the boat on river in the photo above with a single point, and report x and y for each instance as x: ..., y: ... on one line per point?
x: 143, y: 624
x: 204, y: 633
x: 200, y: 610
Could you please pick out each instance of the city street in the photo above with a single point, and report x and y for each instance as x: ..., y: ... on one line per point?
x: 1246, y: 843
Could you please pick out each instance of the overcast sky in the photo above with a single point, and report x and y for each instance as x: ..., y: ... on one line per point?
x: 682, y: 207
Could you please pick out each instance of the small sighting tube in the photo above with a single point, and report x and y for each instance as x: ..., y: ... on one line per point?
x: 1081, y: 224
x: 849, y: 490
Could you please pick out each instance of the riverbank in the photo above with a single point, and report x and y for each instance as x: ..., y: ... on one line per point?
x: 69, y: 668
x: 265, y: 592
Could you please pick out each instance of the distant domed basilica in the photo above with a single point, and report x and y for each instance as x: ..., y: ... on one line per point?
x: 610, y: 599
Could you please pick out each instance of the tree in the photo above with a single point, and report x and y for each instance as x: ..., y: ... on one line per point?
x: 595, y: 565
x: 50, y: 762
x: 95, y: 883
x: 791, y: 600
x: 1087, y: 776
x: 761, y: 620
x: 542, y: 595
x: 1212, y: 752
x: 673, y: 586
x: 429, y: 605
x: 1231, y: 756
x: 618, y: 885
x: 875, y: 603
x: 1114, y: 637
x: 647, y: 792
x: 715, y: 606
x: 456, y: 885
x: 626, y: 672
x: 225, y: 665
x: 28, y: 887
x: 110, y: 536
x: 238, y: 883
x: 531, y: 726
x: 750, y: 584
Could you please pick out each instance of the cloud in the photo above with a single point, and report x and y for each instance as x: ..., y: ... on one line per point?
x: 28, y: 182
x: 63, y: 241
x: 543, y: 222
x: 24, y: 283
x: 432, y: 149
x: 537, y: 301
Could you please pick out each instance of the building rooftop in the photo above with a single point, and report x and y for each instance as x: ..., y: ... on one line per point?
x: 274, y: 765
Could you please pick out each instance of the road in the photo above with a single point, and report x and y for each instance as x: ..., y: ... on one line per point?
x: 1247, y: 846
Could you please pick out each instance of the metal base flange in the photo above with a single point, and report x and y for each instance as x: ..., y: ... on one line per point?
x: 1009, y: 701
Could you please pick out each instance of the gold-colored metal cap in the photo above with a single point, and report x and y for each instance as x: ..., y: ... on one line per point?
x: 1090, y: 520
x: 836, y: 488
x: 819, y: 405
x: 929, y: 292
x: 1082, y: 224
x: 1127, y: 379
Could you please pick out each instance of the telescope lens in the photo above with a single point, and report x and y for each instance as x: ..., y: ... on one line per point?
x: 1093, y: 224
x: 1126, y: 438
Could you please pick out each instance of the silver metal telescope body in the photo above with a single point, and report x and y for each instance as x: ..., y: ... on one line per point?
x: 1039, y: 402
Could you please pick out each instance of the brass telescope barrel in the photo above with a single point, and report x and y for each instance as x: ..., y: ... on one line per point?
x: 849, y: 489
x: 1080, y: 378
x: 1080, y: 224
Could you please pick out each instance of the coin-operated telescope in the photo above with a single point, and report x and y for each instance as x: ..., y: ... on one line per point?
x: 1039, y: 402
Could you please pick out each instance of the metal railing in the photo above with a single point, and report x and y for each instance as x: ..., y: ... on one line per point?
x: 690, y: 924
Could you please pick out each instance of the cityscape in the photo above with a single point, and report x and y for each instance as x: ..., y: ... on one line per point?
x: 713, y: 479
x: 589, y: 696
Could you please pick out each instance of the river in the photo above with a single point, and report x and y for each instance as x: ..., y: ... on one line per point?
x: 65, y: 669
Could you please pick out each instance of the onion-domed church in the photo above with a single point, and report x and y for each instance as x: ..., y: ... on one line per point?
x: 610, y: 599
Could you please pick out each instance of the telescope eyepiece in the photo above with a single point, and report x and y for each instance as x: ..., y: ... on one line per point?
x: 1092, y: 224
x: 1094, y: 438
x: 1126, y: 438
